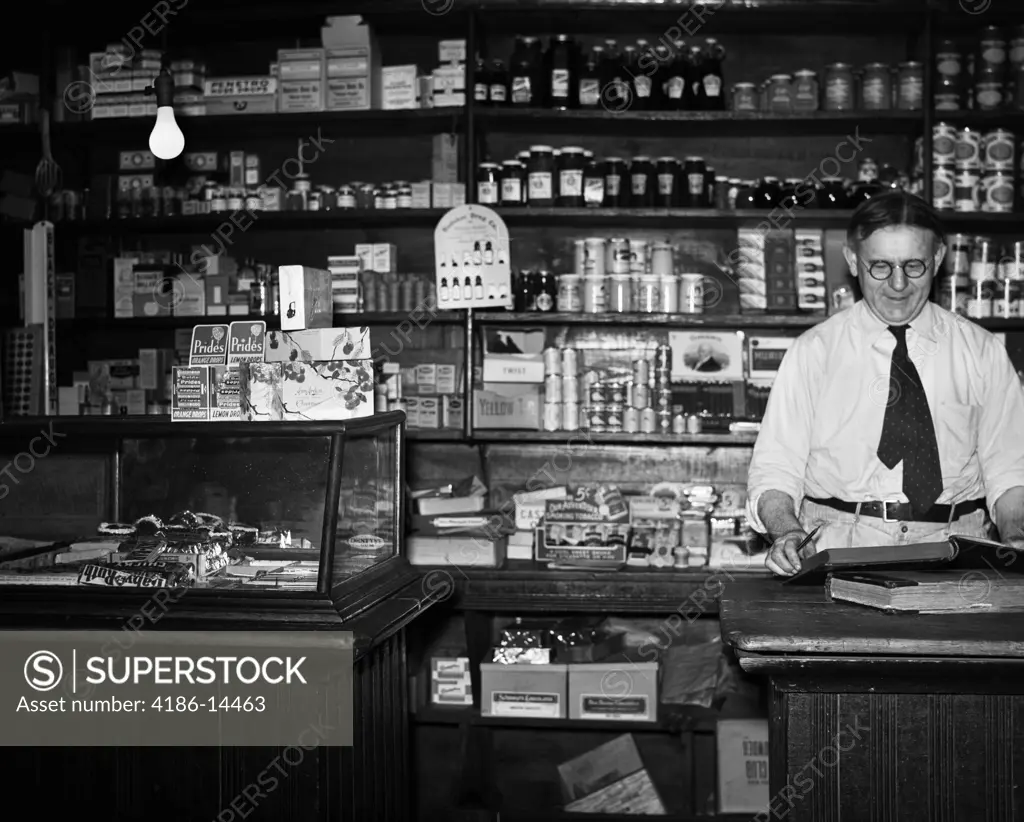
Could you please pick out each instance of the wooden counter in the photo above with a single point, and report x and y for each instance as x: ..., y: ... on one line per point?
x: 884, y: 717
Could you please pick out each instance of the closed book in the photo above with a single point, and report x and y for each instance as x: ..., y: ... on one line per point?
x: 930, y: 591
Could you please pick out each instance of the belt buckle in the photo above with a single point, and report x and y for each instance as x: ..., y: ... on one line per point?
x: 885, y: 510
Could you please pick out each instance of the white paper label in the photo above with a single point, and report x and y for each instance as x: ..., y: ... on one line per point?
x: 510, y: 703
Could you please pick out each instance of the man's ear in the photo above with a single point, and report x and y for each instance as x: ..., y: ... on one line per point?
x: 940, y: 255
x: 851, y: 260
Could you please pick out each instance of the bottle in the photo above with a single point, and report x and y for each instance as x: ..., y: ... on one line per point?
x: 481, y: 83
x: 675, y: 78
x: 588, y: 86
x: 478, y: 256
x: 522, y: 72
x: 444, y: 289
x: 663, y: 68
x: 637, y: 85
x: 467, y: 289
x: 711, y: 75
x: 616, y: 88
x: 695, y: 99
x: 479, y: 288
x: 560, y: 67
x: 488, y: 253
x: 497, y: 94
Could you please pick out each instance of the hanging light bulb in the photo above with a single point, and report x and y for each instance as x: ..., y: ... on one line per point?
x: 166, y: 140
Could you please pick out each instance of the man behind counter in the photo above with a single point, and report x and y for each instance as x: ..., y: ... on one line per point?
x: 894, y: 421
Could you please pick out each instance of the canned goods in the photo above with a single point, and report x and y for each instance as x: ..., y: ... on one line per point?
x: 910, y: 86
x: 597, y: 419
x: 620, y: 293
x: 967, y: 190
x: 650, y: 295
x: 598, y: 394
x: 694, y: 424
x: 613, y: 417
x: 1007, y: 302
x: 996, y: 193
x: 951, y: 294
x: 641, y: 373
x: 631, y: 420
x: 615, y: 392
x: 570, y: 363
x: 943, y: 179
x: 594, y: 256
x: 988, y: 92
x: 570, y: 294
x: 552, y: 416
x: 992, y: 50
x: 594, y: 296
x: 617, y: 256
x: 968, y: 148
x: 570, y: 416
x: 944, y: 139
x: 553, y: 388
x: 691, y: 293
x: 570, y: 390
x: 664, y: 422
x: 998, y: 151
x: 662, y: 262
x: 1011, y: 266
x: 979, y: 299
x: 983, y: 259
x: 663, y: 399
x: 662, y: 377
x: 641, y: 395
x: 958, y: 255
x: 648, y: 421
x: 663, y: 358
x: 552, y: 361
x: 678, y: 424
x: 638, y: 256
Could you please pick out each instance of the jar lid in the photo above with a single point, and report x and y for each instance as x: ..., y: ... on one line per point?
x: 490, y: 165
x: 641, y: 158
x: 614, y: 160
x: 540, y: 149
x: 805, y: 73
x: 572, y: 150
x: 910, y: 64
x: 744, y: 85
x: 695, y: 159
x: 667, y: 160
x: 782, y: 77
x: 512, y: 163
x: 770, y: 179
x: 588, y: 154
x: 838, y: 66
x: 884, y: 66
x: 831, y: 179
x: 523, y: 155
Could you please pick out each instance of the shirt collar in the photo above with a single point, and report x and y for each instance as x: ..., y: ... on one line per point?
x: 923, y: 325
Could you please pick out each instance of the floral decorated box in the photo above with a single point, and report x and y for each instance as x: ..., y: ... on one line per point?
x: 260, y: 391
x: 318, y: 345
x: 337, y: 390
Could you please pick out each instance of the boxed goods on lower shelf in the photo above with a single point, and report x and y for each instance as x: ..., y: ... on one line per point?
x: 523, y: 690
x: 618, y: 691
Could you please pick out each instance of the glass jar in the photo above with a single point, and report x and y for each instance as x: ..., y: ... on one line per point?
x: 780, y: 93
x: 615, y: 182
x: 593, y: 184
x: 389, y: 198
x: 488, y: 183
x: 570, y: 294
x: 524, y: 73
x: 497, y: 90
x: 988, y: 90
x: 839, y: 87
x: 910, y: 86
x: 768, y: 193
x: 365, y: 195
x: 513, y: 178
x: 540, y: 175
x: 346, y: 197
x: 328, y: 199
x: 744, y: 97
x: 641, y: 188
x: 695, y: 175
x: 313, y: 201
x: 876, y: 87
x: 806, y: 93
x: 620, y: 293
x: 746, y: 194
x: 667, y: 172
x: 405, y: 196
x: 649, y: 295
x: 833, y: 193
x: 571, y: 164
x: 378, y: 197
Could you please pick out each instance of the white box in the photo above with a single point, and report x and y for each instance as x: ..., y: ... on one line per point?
x: 451, y: 51
x: 742, y: 766
x: 319, y: 345
x: 385, y: 258
x: 399, y: 87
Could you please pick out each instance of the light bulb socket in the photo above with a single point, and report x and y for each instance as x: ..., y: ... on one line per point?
x: 163, y: 88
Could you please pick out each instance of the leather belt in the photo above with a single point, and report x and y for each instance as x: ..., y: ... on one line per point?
x: 893, y: 511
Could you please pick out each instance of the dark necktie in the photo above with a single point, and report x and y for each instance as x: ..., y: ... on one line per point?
x: 907, y: 431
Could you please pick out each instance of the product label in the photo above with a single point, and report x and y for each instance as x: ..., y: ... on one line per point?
x: 837, y: 90
x: 499, y: 94
x: 639, y: 184
x: 696, y: 183
x: 911, y: 92
x: 522, y: 93
x: 874, y: 91
x: 712, y: 85
x: 540, y: 185
x: 593, y: 191
x: 613, y: 184
x: 246, y: 342
x: 487, y: 193
x: 674, y: 88
x: 642, y: 85
x: 544, y: 302
x: 512, y: 190
x: 560, y: 84
x: 570, y: 183
x: 665, y: 182
x: 598, y: 706
x: 590, y: 91
x: 510, y: 703
x: 988, y: 95
x: 948, y: 63
x: 480, y: 92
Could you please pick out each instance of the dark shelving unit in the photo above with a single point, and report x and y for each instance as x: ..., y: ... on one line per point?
x: 92, y: 324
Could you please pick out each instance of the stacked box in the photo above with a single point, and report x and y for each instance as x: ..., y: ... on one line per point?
x: 810, y: 271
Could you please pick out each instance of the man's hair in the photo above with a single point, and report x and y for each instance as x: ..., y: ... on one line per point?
x: 893, y: 208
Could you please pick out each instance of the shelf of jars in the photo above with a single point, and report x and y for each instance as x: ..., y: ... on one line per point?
x: 606, y: 119
x: 574, y: 438
x: 370, y: 318
x: 673, y: 218
x: 332, y: 220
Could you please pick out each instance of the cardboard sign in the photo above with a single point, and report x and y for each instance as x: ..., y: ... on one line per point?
x: 471, y: 253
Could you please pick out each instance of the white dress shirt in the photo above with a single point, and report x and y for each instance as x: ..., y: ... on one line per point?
x: 820, y: 433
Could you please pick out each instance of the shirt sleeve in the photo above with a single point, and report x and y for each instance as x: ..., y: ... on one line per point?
x: 1001, y: 425
x: 780, y: 454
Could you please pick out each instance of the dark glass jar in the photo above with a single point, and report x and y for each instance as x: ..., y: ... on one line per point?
x: 833, y: 193
x: 787, y: 194
x: 481, y: 83
x: 616, y: 182
x: 497, y: 92
x: 488, y: 184
x: 711, y: 75
x: 522, y: 291
x: 675, y: 79
x: 513, y: 183
x: 667, y: 170
x: 571, y: 164
x: 746, y: 194
x: 695, y: 99
x: 768, y: 192
x: 660, y: 71
x: 540, y: 175
x: 524, y: 74
x: 641, y: 182
x: 695, y: 175
x: 593, y: 184
x: 545, y: 291
x: 710, y: 192
x: 638, y: 85
x: 560, y: 70
x: 589, y: 85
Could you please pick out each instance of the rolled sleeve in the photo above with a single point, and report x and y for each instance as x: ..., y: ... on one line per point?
x: 780, y: 454
x: 1001, y: 426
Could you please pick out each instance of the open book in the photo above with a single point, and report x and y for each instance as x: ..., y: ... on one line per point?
x: 956, y: 553
x: 931, y: 591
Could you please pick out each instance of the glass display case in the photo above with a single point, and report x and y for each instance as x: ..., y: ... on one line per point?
x: 281, y: 508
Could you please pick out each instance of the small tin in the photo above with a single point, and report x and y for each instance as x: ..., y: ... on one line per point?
x: 642, y: 372
x: 631, y: 420
x: 570, y: 362
x: 552, y: 361
x: 691, y: 294
x: 641, y: 395
x: 615, y: 391
x: 1011, y: 265
x: 598, y: 394
x: 594, y: 257
x: 570, y: 294
x: 553, y: 389
x: 638, y: 256
x: 664, y: 422
x: 1007, y: 302
x: 617, y: 256
x: 346, y: 197
x: 613, y: 417
x: 958, y: 255
x: 693, y: 424
x: 595, y: 295
x: 663, y: 358
x: 597, y: 415
x: 996, y: 192
x: 648, y: 421
x: 979, y: 299
x: 570, y: 416
x: 570, y: 390
x: 679, y: 424
x: 663, y: 399
x: 552, y: 416
x: 984, y: 257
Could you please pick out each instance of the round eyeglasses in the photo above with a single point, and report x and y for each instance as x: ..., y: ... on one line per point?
x: 882, y: 269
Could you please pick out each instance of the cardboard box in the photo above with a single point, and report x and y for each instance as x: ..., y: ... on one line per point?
x: 240, y: 95
x: 621, y: 691
x: 225, y: 393
x: 300, y: 64
x: 209, y: 345
x: 190, y: 393
x: 610, y: 779
x: 340, y: 390
x: 445, y: 159
x: 246, y: 342
x: 305, y: 297
x: 189, y: 299
x: 743, y: 785
x: 385, y: 258
x: 301, y: 95
x: 452, y: 412
x: 260, y: 391
x: 154, y: 293
x: 318, y: 345
x: 352, y: 60
x: 523, y: 690
x: 507, y: 406
x: 399, y: 87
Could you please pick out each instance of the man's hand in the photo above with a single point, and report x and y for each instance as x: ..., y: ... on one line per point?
x: 783, y: 558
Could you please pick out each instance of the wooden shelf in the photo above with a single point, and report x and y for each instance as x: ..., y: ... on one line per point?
x: 354, y: 220
x: 673, y: 720
x: 91, y: 324
x: 577, y: 438
x: 666, y: 320
x: 691, y: 123
x: 434, y: 435
x: 663, y: 218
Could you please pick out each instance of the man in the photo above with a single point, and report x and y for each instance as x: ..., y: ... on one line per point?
x: 893, y: 421
x: 706, y: 361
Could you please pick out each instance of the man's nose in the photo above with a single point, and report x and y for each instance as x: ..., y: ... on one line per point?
x: 898, y: 281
